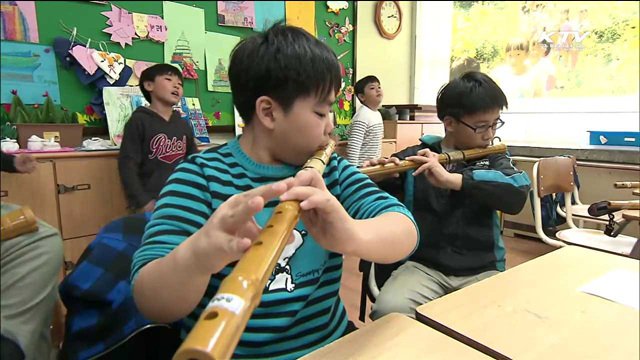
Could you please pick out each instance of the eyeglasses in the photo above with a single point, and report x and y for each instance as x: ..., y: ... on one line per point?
x: 484, y: 128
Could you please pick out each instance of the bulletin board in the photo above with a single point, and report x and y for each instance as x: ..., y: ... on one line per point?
x: 86, y: 17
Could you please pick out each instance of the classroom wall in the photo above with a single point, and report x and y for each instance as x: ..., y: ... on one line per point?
x: 542, y: 122
x: 86, y: 17
x: 390, y: 60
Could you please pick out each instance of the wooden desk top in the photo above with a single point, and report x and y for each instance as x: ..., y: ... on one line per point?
x: 535, y: 311
x: 631, y: 215
x: 395, y: 336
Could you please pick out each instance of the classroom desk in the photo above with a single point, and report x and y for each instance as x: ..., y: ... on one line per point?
x: 631, y: 215
x: 535, y: 311
x: 395, y: 336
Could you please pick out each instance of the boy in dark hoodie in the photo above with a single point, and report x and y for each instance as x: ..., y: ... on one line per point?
x: 155, y: 139
x: 456, y: 207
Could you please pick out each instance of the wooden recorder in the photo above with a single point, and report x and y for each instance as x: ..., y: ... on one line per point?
x: 17, y: 223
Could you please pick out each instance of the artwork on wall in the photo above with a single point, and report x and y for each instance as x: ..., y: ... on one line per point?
x: 236, y: 13
x: 30, y: 69
x: 549, y: 50
x: 191, y: 112
x: 125, y: 26
x: 118, y: 106
x: 219, y: 47
x: 268, y: 13
x: 336, y: 6
x: 185, y: 40
x: 138, y: 67
x: 302, y: 14
x: 19, y: 22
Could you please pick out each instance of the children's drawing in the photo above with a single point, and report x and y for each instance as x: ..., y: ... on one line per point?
x: 219, y: 47
x: 268, y: 13
x: 18, y: 19
x: 186, y: 38
x: 118, y: 105
x: 30, y: 69
x: 236, y: 13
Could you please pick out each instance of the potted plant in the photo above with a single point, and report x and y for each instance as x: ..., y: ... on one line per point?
x: 45, y: 121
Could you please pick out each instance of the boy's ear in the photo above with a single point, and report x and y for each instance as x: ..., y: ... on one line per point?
x: 449, y: 123
x: 361, y: 98
x: 148, y: 85
x: 267, y: 111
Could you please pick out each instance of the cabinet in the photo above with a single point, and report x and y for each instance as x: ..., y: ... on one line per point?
x: 78, y: 193
x: 38, y: 190
x: 410, y: 132
x: 90, y: 195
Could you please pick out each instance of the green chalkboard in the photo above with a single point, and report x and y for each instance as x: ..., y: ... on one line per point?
x: 86, y: 17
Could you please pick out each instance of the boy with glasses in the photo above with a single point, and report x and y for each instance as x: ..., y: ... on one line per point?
x: 456, y: 208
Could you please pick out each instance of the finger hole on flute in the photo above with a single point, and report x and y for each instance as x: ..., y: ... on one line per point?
x: 211, y: 316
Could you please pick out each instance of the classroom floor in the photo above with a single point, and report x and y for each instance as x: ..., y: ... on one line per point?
x: 519, y: 250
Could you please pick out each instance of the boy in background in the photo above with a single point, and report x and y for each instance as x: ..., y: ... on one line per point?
x: 155, y: 139
x: 455, y: 208
x: 365, y: 136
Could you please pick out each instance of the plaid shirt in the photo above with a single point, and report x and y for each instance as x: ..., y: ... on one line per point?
x: 101, y: 313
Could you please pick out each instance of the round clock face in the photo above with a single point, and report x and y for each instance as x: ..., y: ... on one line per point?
x: 390, y: 17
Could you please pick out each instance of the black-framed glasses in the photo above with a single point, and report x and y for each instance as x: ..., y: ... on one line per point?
x: 484, y: 128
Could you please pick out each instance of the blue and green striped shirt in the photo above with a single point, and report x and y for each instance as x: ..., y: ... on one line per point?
x: 300, y: 309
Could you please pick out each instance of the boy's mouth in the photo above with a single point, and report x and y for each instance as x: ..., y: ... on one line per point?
x: 175, y: 93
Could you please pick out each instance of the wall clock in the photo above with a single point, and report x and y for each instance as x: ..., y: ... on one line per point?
x: 389, y: 18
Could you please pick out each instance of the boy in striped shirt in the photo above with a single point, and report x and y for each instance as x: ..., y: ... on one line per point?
x: 365, y: 136
x: 284, y: 83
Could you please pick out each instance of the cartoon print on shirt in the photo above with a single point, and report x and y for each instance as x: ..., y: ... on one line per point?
x: 282, y: 278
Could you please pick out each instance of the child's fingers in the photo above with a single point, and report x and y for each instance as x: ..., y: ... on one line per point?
x: 237, y: 246
x: 317, y: 201
x: 418, y: 159
x: 299, y: 193
x: 309, y: 177
x: 250, y: 230
x: 238, y: 212
x: 421, y: 169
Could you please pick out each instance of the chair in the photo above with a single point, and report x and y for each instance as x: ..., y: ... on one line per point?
x: 553, y: 176
x: 580, y: 210
x: 373, y: 278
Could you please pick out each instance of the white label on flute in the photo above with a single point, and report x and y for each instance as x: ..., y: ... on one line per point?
x: 230, y: 302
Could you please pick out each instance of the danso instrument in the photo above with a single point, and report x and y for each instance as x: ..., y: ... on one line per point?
x: 17, y: 223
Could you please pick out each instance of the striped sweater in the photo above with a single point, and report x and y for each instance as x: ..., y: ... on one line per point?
x: 300, y: 309
x: 365, y: 136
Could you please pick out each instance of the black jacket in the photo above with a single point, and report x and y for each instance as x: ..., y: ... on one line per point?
x: 7, y: 164
x: 460, y: 230
x: 151, y: 149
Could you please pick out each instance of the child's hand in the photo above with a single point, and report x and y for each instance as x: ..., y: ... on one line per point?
x: 434, y: 172
x: 323, y: 215
x: 24, y: 163
x: 231, y: 230
x: 382, y: 161
x: 150, y: 206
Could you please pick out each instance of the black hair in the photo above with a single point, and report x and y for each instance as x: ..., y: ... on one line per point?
x: 152, y: 72
x: 362, y: 84
x: 463, y: 65
x: 518, y: 44
x: 472, y: 93
x: 285, y: 63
